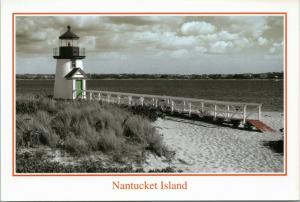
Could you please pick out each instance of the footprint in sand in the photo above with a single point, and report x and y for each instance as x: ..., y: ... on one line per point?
x: 184, y: 162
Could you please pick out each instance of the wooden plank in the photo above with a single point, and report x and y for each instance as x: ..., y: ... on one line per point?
x: 260, y: 126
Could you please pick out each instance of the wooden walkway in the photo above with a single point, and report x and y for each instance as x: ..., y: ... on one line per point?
x: 222, y: 110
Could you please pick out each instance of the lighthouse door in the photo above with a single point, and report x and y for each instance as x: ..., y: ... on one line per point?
x: 78, y: 88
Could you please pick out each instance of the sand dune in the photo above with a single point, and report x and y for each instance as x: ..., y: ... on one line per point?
x: 207, y: 148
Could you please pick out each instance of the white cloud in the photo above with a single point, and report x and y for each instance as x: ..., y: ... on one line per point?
x: 225, y: 35
x: 148, y: 37
x: 262, y: 41
x: 243, y: 43
x: 172, y: 40
x: 220, y: 46
x: 197, y: 27
x: 254, y: 25
x: 276, y: 48
x: 165, y: 40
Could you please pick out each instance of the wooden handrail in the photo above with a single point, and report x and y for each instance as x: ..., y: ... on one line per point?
x: 213, y: 107
x: 176, y: 98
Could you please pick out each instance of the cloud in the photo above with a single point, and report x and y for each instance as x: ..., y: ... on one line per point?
x: 220, y: 46
x: 120, y: 33
x: 159, y: 40
x: 262, y: 41
x: 197, y: 27
x: 254, y: 26
x: 225, y: 35
x: 276, y: 48
x: 120, y: 38
x: 243, y: 43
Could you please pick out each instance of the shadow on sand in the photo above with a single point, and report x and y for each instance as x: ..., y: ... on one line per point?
x: 275, y: 146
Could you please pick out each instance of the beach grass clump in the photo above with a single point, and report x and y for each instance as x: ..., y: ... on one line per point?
x: 35, y: 130
x: 75, y: 145
x: 83, y: 127
x: 140, y: 131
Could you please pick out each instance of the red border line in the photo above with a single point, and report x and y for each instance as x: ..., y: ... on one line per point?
x: 146, y: 174
x: 285, y: 93
x: 13, y: 94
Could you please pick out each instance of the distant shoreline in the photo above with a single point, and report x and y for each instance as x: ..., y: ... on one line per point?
x: 242, y: 76
x: 161, y: 79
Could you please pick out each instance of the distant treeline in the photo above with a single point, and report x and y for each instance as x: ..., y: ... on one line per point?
x: 268, y: 75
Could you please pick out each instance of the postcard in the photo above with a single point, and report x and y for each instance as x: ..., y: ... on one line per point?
x: 172, y: 103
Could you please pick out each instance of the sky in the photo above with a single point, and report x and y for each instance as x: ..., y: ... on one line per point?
x: 155, y: 44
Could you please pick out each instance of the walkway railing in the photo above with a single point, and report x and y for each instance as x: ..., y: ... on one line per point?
x: 190, y: 106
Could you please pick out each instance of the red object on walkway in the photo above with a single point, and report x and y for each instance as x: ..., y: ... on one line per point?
x: 260, y: 126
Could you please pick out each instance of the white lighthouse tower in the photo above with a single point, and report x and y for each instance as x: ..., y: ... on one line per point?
x: 70, y: 79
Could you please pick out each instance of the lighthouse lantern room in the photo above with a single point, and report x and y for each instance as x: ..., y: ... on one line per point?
x: 70, y: 79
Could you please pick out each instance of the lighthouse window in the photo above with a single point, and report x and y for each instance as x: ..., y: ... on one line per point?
x: 73, y: 63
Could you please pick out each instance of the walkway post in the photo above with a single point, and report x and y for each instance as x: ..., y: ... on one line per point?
x: 228, y: 109
x: 129, y: 100
x: 172, y: 106
x: 90, y: 95
x: 259, y: 112
x: 244, y: 114
x: 190, y: 109
x: 215, y: 111
x: 119, y: 100
x: 99, y: 96
x: 108, y: 98
x: 83, y: 95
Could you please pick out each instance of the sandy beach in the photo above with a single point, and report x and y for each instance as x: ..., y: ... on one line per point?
x: 198, y: 147
x: 207, y: 148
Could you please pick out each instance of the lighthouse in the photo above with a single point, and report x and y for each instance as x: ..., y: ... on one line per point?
x: 70, y: 79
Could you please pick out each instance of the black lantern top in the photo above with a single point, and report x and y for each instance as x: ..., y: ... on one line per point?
x: 69, y: 34
x: 68, y: 48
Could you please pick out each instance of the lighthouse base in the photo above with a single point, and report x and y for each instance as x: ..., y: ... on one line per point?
x: 64, y: 92
x: 72, y: 89
x: 70, y: 82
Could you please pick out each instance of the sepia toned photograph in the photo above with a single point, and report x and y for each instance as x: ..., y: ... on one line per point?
x: 200, y: 94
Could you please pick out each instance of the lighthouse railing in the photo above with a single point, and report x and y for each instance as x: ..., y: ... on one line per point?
x: 78, y: 51
x: 81, y: 51
x: 55, y: 51
x: 190, y: 106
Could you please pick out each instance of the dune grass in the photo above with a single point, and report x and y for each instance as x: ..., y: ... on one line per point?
x: 83, y: 127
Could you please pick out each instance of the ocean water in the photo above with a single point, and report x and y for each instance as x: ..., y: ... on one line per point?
x: 268, y: 92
